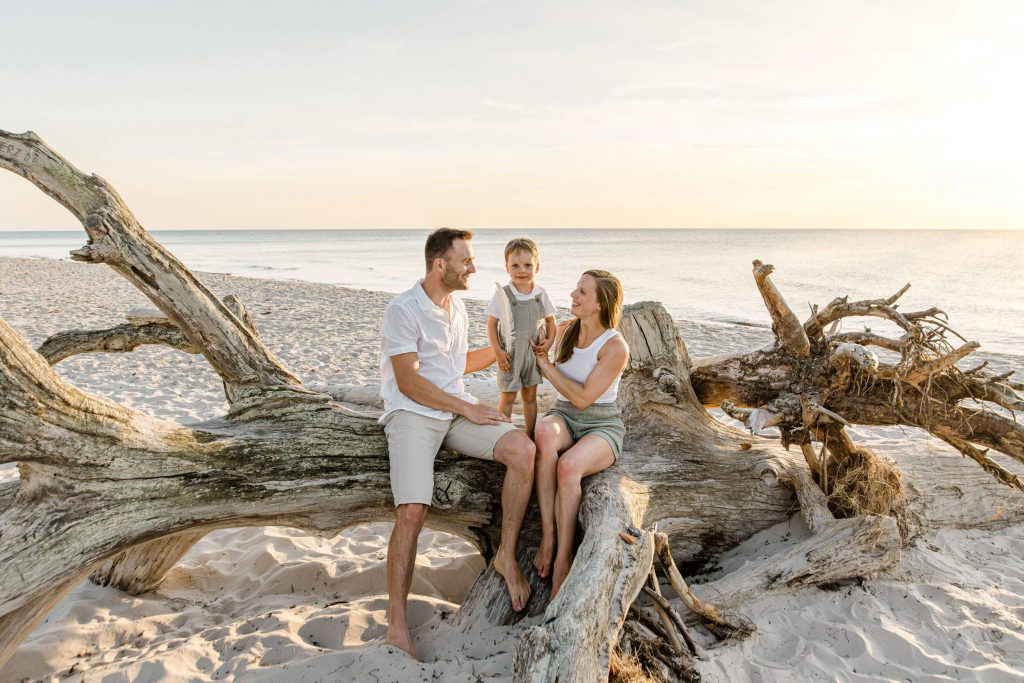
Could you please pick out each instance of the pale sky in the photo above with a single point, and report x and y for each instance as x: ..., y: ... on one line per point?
x: 787, y: 114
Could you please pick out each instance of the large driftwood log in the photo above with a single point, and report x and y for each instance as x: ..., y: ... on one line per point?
x: 109, y: 490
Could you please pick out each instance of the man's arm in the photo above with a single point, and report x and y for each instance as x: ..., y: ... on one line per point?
x: 499, y: 353
x: 478, y: 359
x: 423, y: 391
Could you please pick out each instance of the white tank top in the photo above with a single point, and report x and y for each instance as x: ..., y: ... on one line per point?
x: 583, y: 362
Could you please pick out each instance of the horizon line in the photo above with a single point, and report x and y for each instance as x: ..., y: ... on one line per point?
x: 475, y: 228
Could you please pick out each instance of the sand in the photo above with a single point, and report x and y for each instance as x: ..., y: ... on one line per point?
x: 277, y: 604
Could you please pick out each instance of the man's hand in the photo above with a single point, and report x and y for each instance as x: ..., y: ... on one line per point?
x: 481, y: 414
x: 504, y: 360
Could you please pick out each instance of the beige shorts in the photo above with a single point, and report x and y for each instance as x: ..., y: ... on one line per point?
x: 413, y: 443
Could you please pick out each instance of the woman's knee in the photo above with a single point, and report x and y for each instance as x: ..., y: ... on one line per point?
x: 546, y: 435
x: 568, y: 472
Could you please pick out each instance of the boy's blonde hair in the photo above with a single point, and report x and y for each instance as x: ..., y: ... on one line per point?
x: 522, y: 244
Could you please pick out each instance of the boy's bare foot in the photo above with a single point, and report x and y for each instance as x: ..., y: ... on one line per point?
x: 517, y: 585
x: 400, y: 638
x: 542, y: 559
x: 560, y: 571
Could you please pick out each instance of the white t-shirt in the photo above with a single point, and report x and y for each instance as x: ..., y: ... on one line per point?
x: 494, y: 307
x: 412, y: 322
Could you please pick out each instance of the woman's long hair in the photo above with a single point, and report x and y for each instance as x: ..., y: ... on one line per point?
x: 609, y: 296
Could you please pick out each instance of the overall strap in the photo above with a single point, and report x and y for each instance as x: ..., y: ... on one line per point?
x: 509, y: 294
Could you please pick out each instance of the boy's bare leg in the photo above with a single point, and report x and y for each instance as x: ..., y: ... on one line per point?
x: 401, y: 562
x: 529, y: 395
x: 506, y: 399
x: 516, y: 452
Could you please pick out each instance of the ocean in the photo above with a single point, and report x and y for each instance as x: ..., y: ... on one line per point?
x: 701, y: 276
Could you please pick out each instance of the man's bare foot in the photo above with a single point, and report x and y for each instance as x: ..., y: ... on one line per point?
x: 561, y: 570
x: 400, y: 638
x: 542, y: 559
x: 517, y: 585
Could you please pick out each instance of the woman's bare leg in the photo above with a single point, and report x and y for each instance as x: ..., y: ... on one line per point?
x: 529, y: 395
x: 589, y: 455
x: 552, y: 436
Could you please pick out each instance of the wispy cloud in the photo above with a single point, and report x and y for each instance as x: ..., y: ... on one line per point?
x: 505, y: 106
x: 683, y: 43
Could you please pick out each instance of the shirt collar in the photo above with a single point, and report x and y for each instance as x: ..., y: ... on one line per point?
x: 421, y: 297
x: 516, y: 292
x: 426, y: 304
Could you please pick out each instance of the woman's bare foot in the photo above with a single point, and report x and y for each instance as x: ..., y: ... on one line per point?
x: 545, y: 553
x: 400, y: 638
x: 517, y: 585
x: 561, y: 570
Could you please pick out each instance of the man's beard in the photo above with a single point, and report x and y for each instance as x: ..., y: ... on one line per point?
x: 453, y: 282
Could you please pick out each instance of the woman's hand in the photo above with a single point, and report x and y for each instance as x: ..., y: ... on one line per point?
x: 540, y: 349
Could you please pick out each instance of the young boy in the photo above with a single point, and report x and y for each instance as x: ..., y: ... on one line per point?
x: 528, y: 310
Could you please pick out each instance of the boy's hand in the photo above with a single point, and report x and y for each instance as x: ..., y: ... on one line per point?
x: 540, y: 349
x: 543, y: 344
x: 504, y: 360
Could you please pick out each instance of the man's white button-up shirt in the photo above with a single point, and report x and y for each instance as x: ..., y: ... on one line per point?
x: 412, y: 322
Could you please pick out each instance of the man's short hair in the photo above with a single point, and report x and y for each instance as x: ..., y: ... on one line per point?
x: 440, y: 242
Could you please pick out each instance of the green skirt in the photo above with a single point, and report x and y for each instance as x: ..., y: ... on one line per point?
x: 600, y: 419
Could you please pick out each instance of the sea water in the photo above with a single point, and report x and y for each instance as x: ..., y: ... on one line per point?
x: 703, y: 277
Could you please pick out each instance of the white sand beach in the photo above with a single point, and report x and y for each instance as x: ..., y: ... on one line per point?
x: 279, y: 604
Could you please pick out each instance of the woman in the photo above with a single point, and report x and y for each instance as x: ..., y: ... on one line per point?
x: 584, y: 425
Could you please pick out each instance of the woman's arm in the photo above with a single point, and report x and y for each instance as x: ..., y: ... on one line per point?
x: 611, y: 361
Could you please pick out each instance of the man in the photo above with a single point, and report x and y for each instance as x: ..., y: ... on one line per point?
x: 423, y: 356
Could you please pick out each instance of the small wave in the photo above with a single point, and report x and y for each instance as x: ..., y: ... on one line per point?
x: 741, y: 323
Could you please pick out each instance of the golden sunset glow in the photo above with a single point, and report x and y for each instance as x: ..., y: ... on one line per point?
x: 777, y: 115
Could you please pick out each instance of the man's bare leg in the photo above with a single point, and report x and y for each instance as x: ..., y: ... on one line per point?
x: 516, y: 452
x: 401, y: 562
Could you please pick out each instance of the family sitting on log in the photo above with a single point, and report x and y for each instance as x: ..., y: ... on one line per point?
x: 424, y: 355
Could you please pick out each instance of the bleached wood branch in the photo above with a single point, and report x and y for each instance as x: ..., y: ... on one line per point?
x: 787, y: 328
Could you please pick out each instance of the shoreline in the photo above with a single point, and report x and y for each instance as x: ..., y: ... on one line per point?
x: 269, y: 602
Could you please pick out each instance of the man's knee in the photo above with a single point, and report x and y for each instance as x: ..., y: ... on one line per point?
x: 516, y: 451
x: 411, y: 514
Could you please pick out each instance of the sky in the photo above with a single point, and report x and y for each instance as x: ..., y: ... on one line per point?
x: 768, y: 114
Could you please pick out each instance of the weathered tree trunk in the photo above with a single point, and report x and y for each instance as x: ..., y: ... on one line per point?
x: 109, y: 490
